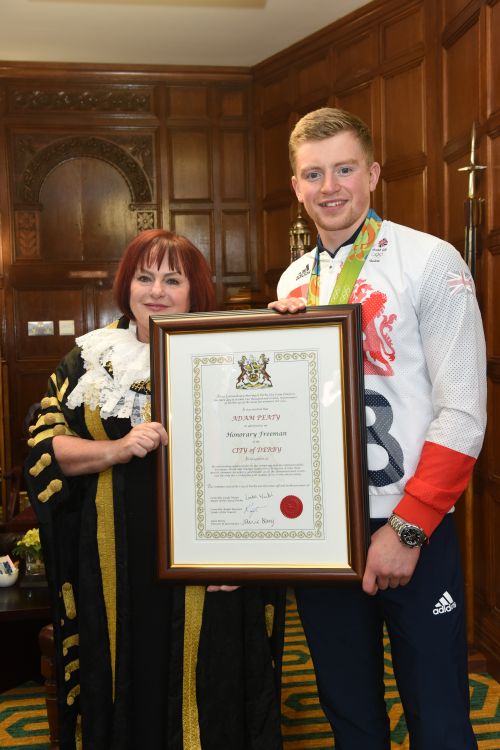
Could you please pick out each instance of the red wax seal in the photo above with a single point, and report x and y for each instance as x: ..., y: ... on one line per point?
x: 291, y: 506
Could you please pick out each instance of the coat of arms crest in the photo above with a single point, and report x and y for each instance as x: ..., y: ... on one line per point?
x: 253, y: 372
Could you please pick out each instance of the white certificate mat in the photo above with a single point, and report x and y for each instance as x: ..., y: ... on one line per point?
x: 257, y: 469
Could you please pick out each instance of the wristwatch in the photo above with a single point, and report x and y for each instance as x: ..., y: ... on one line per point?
x: 408, y: 533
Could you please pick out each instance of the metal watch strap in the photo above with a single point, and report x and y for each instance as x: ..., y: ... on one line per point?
x: 409, y: 534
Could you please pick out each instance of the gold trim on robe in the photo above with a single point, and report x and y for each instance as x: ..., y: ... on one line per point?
x: 42, y: 463
x: 70, y: 642
x: 105, y: 536
x: 193, y: 612
x: 69, y: 600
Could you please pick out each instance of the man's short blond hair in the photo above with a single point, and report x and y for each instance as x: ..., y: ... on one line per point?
x: 326, y: 122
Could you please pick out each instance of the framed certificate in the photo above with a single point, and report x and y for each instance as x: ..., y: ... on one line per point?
x: 264, y: 476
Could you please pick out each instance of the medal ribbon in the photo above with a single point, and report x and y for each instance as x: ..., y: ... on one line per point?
x: 352, y: 265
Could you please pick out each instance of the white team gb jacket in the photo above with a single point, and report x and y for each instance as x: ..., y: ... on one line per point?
x: 424, y: 367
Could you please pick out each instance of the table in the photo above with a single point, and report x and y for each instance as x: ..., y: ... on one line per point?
x: 17, y: 603
x: 23, y: 612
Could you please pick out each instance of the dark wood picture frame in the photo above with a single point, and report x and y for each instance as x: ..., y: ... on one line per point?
x: 347, y: 318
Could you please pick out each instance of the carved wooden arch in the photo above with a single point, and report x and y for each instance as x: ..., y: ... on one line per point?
x: 78, y: 146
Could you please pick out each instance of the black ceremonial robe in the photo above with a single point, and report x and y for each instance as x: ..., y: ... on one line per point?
x: 141, y: 663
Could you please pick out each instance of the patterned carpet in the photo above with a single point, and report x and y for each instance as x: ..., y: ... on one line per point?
x: 23, y: 720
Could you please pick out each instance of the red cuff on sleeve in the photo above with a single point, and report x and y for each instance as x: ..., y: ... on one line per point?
x: 442, y: 475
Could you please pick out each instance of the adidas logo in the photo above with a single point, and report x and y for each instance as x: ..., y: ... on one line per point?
x: 445, y: 604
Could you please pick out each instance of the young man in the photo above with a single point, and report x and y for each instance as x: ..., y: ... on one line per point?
x: 425, y: 374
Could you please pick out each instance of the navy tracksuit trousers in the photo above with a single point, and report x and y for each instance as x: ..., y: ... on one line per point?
x: 427, y: 628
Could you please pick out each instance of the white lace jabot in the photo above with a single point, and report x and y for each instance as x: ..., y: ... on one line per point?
x: 115, y: 350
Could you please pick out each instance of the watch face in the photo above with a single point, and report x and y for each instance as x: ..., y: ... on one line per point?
x: 411, y: 536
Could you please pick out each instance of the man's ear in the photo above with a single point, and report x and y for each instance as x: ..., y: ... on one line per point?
x: 295, y: 185
x: 374, y: 175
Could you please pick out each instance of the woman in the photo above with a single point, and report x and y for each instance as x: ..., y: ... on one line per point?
x: 140, y: 664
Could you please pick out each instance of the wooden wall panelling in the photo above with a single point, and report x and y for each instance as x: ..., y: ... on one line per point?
x: 4, y: 213
x: 403, y: 35
x: 356, y: 59
x: 103, y: 304
x: 487, y: 523
x: 274, y: 94
x: 490, y: 179
x: 456, y: 12
x: 461, y: 107
x: 487, y: 508
x: 80, y: 202
x: 359, y: 100
x: 234, y: 170
x: 491, y: 266
x: 313, y: 77
x: 71, y: 97
x: 191, y: 164
x: 238, y: 263
x: 312, y: 82
x: 210, y: 159
x: 403, y: 132
x: 233, y: 103
x: 190, y: 102
x: 461, y: 72
x: 491, y: 154
x: 432, y: 99
x: 81, y: 197
x: 236, y: 260
x: 235, y: 242
x: 404, y: 198
x: 5, y: 443
x: 461, y: 76
x: 405, y: 120
x: 403, y: 115
x: 237, y: 197
x: 278, y: 202
x: 275, y: 162
x: 197, y: 225
x: 162, y: 157
x: 5, y: 446
x: 4, y: 202
x: 492, y: 58
x: 277, y: 221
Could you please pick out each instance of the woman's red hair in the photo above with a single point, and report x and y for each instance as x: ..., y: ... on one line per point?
x: 149, y: 248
